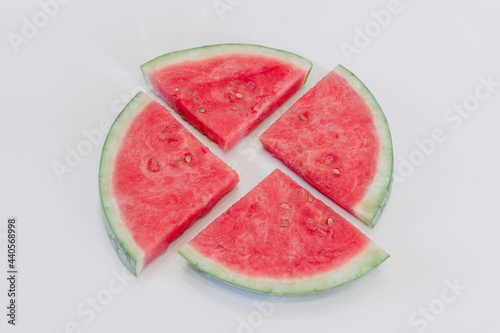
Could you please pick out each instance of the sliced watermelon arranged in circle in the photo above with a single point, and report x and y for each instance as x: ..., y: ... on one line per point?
x: 337, y: 138
x: 279, y: 239
x: 226, y: 90
x: 155, y: 180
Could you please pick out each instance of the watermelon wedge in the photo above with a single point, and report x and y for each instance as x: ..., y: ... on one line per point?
x: 279, y: 239
x: 337, y: 138
x: 226, y: 90
x: 155, y: 179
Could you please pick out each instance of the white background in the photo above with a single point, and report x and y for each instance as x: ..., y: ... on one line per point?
x: 441, y: 224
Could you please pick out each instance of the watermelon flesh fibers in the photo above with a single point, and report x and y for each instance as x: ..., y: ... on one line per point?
x: 279, y: 239
x: 156, y: 179
x: 336, y: 137
x: 226, y: 90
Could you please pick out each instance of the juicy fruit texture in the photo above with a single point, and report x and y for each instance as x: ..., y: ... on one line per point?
x: 155, y: 180
x: 279, y: 239
x: 341, y: 144
x: 226, y: 90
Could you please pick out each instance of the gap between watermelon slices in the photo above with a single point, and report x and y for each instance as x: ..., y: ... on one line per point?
x: 226, y: 90
x: 341, y: 144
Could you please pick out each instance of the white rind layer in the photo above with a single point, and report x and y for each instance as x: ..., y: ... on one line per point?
x: 128, y: 250
x: 367, y: 259
x: 370, y: 207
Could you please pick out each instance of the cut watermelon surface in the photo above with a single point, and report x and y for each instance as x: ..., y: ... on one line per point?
x: 337, y: 138
x: 155, y: 180
x: 279, y: 239
x: 226, y: 90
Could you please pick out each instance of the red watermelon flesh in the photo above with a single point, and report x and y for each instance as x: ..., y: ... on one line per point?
x: 280, y: 239
x: 226, y: 90
x: 337, y: 138
x: 156, y: 179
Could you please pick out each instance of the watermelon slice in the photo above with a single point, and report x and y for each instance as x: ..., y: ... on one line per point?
x: 337, y: 138
x: 279, y: 239
x: 155, y: 179
x: 226, y: 90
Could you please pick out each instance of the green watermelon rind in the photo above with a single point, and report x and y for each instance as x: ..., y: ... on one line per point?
x: 207, y: 51
x: 357, y: 266
x: 127, y: 249
x: 370, y: 207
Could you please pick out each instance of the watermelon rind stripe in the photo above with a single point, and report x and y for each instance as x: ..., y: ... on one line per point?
x: 370, y: 207
x: 207, y: 51
x: 127, y: 249
x: 367, y: 259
